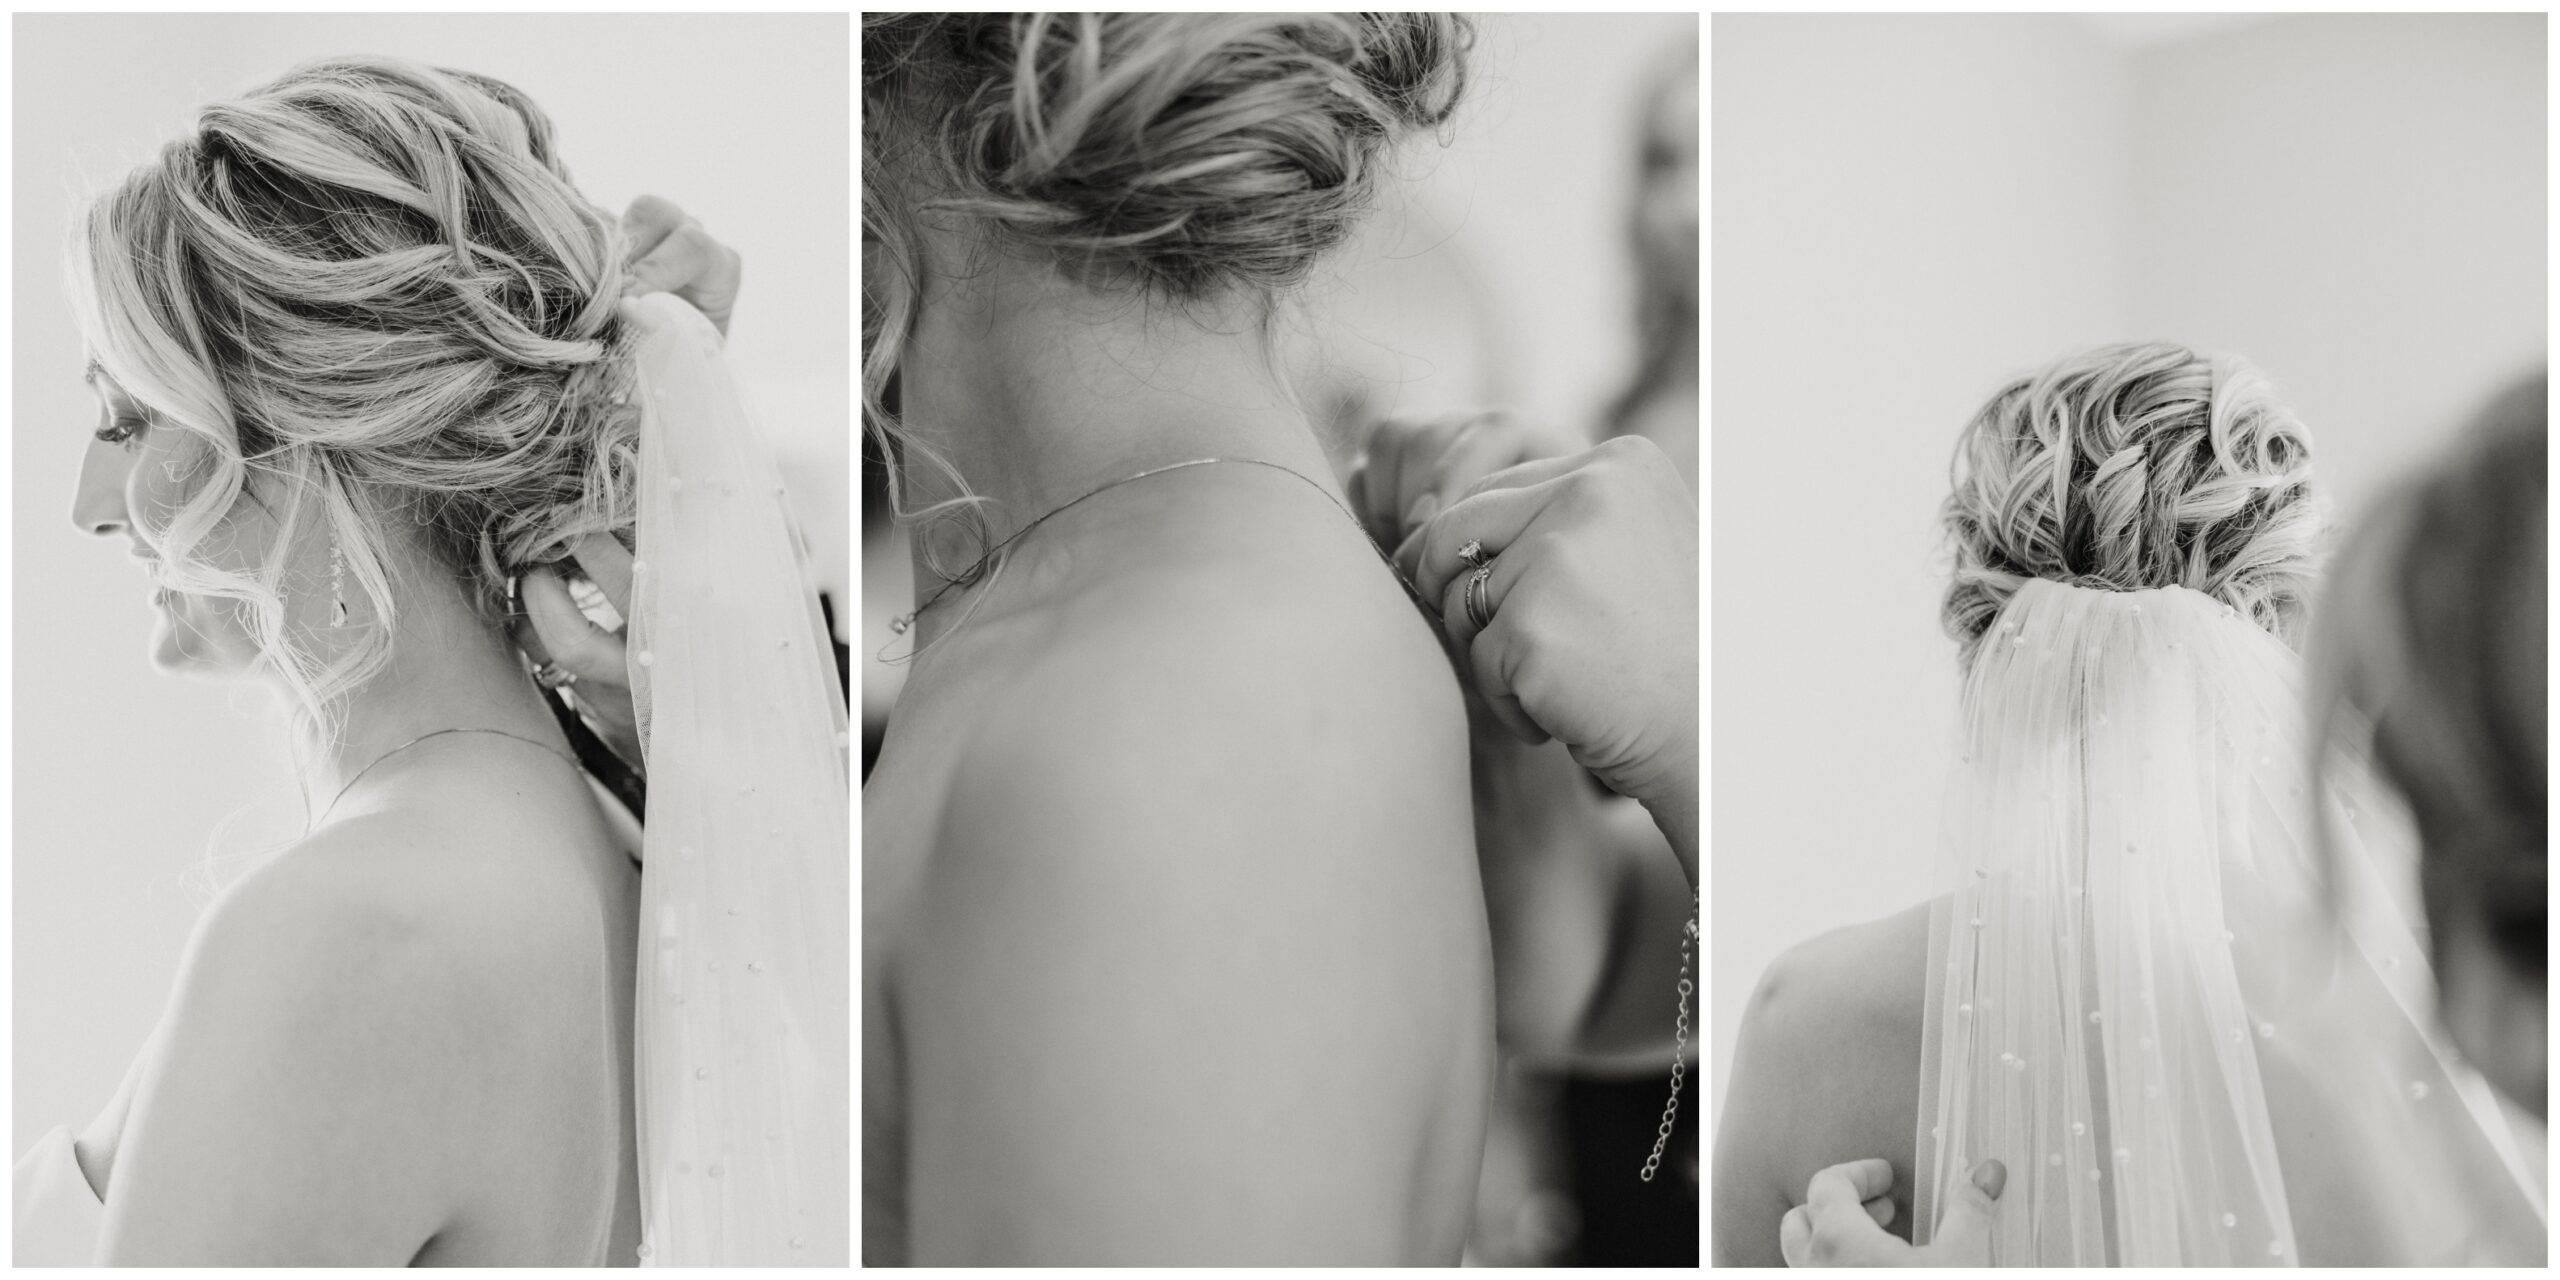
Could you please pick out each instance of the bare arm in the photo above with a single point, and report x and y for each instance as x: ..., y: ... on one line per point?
x: 1751, y: 1197
x: 1588, y: 914
x: 1826, y: 1069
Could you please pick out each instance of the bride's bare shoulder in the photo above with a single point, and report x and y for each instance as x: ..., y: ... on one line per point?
x: 1215, y: 831
x: 466, y: 899
x: 1862, y: 977
x: 1825, y: 1069
x: 1230, y: 701
x: 1297, y: 660
x: 338, y: 1003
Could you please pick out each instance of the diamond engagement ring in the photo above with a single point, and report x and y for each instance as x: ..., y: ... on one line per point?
x: 1473, y: 554
x: 550, y: 676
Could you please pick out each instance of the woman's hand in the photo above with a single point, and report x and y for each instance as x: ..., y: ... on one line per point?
x: 1589, y: 615
x: 671, y: 253
x: 559, y: 636
x: 1412, y: 468
x: 1841, y: 1223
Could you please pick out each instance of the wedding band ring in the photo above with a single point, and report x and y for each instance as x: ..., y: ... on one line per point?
x: 550, y: 676
x: 1473, y: 554
x: 1479, y: 597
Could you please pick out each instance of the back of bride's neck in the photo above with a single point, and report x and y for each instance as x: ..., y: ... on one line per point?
x: 448, y: 669
x: 1021, y: 370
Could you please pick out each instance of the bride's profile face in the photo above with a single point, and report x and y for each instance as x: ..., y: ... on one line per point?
x: 136, y: 474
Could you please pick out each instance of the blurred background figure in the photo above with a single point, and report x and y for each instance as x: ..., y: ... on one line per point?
x: 1543, y: 261
x: 2433, y: 655
x: 1911, y: 209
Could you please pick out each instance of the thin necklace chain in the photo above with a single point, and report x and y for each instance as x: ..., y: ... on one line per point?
x: 1679, y: 1053
x: 978, y: 569
x: 360, y: 773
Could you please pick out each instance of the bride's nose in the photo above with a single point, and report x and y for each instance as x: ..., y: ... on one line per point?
x: 97, y: 505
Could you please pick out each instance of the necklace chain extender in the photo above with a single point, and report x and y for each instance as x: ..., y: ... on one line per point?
x: 1679, y: 1054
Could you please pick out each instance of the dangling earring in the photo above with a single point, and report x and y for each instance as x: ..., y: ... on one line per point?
x: 337, y: 584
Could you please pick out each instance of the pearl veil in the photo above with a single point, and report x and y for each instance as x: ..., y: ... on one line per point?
x: 2191, y: 1037
x: 743, y: 987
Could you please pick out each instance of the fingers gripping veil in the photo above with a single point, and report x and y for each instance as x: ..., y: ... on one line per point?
x: 2138, y: 996
x: 743, y: 996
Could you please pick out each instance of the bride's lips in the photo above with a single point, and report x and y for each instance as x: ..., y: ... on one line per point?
x: 151, y: 567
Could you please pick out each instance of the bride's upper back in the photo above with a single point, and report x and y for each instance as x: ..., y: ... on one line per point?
x: 1081, y: 228
x: 1208, y: 816
x: 1078, y: 229
x: 1182, y: 792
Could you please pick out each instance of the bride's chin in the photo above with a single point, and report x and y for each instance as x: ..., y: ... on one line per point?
x: 172, y: 645
x: 179, y: 646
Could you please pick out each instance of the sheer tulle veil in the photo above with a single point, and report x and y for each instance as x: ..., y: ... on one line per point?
x: 743, y: 988
x: 2190, y: 1035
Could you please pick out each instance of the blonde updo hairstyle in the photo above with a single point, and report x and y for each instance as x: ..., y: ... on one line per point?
x: 369, y: 296
x: 2129, y: 468
x: 1178, y: 158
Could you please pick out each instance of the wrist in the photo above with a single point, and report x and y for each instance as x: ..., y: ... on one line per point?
x: 1679, y: 825
x: 1527, y: 798
x: 1672, y: 799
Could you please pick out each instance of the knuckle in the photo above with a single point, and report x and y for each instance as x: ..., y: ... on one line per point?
x: 1530, y: 640
x: 1435, y: 545
x: 651, y: 215
x: 1549, y: 547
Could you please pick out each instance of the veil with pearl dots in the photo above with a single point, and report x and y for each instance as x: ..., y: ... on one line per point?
x: 2188, y: 1033
x: 744, y: 996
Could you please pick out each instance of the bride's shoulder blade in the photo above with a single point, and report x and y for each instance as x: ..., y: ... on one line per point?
x: 1217, y: 873
x: 1293, y: 659
x: 1208, y: 736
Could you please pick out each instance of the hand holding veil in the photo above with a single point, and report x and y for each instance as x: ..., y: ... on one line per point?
x: 743, y: 992
x: 2191, y: 1038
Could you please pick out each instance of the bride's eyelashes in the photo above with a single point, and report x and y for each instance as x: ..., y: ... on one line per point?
x: 124, y: 429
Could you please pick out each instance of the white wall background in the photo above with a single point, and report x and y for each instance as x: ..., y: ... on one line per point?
x: 1908, y: 210
x: 2358, y: 204
x: 123, y: 776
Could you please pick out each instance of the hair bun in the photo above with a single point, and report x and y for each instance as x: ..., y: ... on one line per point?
x: 370, y: 290
x: 2129, y: 468
x: 1185, y: 153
